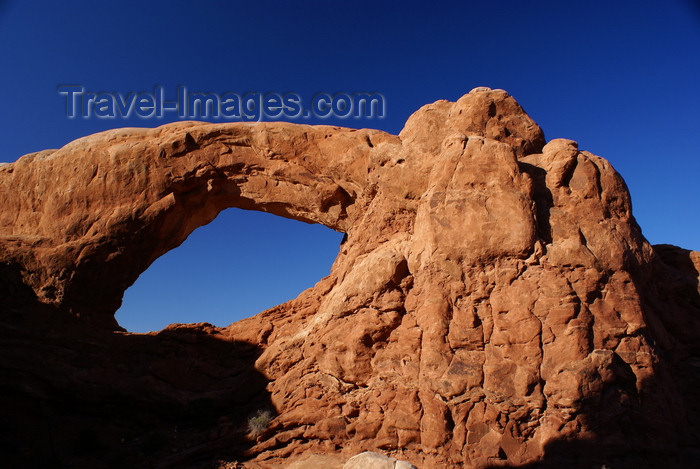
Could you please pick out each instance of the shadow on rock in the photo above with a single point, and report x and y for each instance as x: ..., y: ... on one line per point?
x: 74, y: 396
x: 652, y: 423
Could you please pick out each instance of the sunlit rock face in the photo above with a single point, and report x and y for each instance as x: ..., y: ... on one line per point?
x: 494, y: 301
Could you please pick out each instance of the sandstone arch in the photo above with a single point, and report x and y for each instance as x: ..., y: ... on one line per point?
x: 107, y: 205
x: 492, y: 296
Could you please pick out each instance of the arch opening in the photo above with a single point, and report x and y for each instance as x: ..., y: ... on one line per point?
x: 240, y: 264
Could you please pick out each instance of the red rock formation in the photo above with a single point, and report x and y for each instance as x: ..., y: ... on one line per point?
x: 494, y: 301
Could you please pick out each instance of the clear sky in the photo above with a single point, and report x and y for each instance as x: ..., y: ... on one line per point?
x: 619, y: 77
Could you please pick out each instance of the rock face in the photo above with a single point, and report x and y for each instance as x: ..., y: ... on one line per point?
x: 494, y: 301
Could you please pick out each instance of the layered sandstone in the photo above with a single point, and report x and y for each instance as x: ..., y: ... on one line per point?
x: 494, y: 301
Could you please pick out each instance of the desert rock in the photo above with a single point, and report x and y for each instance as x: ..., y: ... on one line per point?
x: 494, y: 301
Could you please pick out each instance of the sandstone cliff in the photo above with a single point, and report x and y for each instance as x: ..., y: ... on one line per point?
x: 494, y: 301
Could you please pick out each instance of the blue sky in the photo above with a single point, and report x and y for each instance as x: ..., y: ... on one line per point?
x: 621, y: 78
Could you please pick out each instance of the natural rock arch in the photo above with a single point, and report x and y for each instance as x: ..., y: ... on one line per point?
x: 492, y: 296
x: 128, y: 196
x: 97, y: 212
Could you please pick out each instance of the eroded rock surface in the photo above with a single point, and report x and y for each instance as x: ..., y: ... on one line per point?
x: 494, y: 301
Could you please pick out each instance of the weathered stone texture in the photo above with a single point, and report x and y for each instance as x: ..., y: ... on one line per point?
x: 494, y: 301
